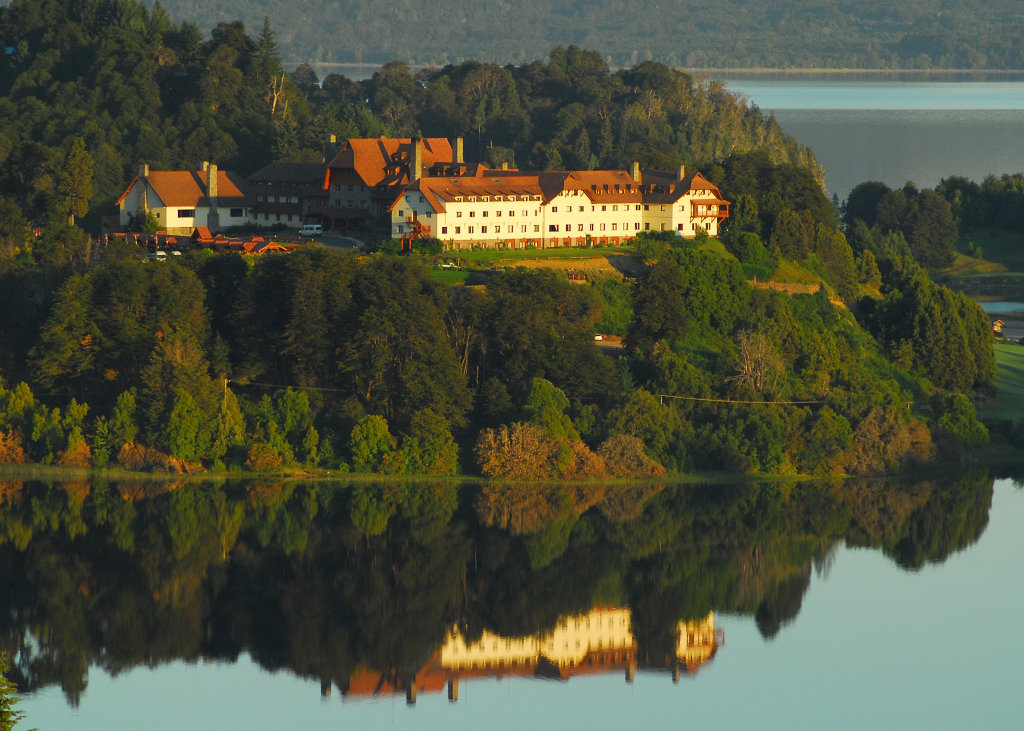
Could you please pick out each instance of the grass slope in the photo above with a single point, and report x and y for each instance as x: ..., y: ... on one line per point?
x: 1009, y: 403
x: 998, y: 247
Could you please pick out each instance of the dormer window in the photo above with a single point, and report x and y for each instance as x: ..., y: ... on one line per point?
x: 485, y: 198
x: 458, y: 198
x: 472, y: 199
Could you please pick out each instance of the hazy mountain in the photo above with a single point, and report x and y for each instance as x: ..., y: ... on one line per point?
x: 729, y: 33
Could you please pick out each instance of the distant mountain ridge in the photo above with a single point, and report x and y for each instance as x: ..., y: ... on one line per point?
x: 860, y: 34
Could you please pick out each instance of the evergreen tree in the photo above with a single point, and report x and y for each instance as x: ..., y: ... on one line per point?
x: 75, y: 185
x: 9, y: 715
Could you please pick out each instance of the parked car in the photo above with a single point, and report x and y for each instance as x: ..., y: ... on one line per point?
x: 310, y: 230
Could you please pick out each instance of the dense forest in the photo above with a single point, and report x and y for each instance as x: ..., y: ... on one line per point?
x: 324, y: 579
x: 326, y: 360
x: 730, y: 34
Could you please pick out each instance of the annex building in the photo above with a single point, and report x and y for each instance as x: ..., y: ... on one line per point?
x: 184, y: 200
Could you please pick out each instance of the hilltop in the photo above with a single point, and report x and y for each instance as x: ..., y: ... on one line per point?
x: 733, y: 33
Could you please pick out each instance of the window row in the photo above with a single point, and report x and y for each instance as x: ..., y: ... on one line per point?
x: 496, y: 230
x: 487, y: 198
x: 554, y: 228
x: 497, y: 214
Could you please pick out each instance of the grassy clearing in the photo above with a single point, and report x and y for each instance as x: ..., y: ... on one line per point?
x: 499, y: 256
x: 968, y: 266
x: 1009, y: 403
x: 451, y: 277
x: 791, y: 272
x: 998, y: 247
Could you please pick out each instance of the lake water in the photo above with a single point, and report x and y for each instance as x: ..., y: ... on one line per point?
x: 896, y: 129
x: 257, y: 605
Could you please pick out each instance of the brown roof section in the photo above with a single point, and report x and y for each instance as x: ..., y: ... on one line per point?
x: 662, y: 187
x: 600, y: 186
x: 437, y: 191
x: 187, y: 188
x: 290, y: 173
x: 386, y: 160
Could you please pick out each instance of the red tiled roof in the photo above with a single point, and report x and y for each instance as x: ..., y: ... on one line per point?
x: 187, y: 188
x: 662, y: 187
x: 385, y: 160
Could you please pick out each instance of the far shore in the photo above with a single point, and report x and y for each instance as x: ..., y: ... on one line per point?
x: 50, y: 472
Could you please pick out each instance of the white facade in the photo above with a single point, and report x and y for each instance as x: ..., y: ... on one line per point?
x: 180, y: 220
x: 574, y: 216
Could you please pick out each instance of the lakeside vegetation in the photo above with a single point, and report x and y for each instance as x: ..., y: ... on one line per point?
x: 308, y: 577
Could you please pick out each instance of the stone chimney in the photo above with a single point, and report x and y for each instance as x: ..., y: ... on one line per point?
x: 459, y: 155
x: 213, y: 216
x: 330, y: 147
x: 682, y: 172
x: 504, y: 166
x: 142, y: 207
x: 206, y: 165
x: 636, y: 172
x: 416, y: 160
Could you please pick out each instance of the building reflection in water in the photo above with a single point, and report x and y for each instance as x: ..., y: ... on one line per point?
x: 600, y: 641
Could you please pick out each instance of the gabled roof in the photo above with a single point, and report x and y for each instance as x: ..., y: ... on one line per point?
x: 662, y: 187
x: 387, y: 160
x: 187, y: 188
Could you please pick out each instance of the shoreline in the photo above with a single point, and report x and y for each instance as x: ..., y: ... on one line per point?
x: 73, y: 474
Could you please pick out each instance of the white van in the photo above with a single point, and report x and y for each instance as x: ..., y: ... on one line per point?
x: 311, y: 229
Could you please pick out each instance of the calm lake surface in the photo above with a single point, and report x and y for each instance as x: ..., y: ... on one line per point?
x: 255, y: 605
x: 896, y: 129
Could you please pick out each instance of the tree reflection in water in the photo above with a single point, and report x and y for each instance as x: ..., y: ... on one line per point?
x: 403, y: 587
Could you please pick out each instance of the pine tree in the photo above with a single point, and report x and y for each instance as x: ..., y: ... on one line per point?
x: 75, y: 187
x: 268, y: 54
x: 9, y: 717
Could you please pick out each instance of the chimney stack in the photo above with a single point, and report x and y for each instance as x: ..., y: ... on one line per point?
x: 504, y: 166
x: 213, y: 216
x: 636, y: 172
x: 142, y: 206
x: 459, y: 156
x: 416, y: 160
x: 206, y: 166
x: 331, y: 148
x: 682, y: 172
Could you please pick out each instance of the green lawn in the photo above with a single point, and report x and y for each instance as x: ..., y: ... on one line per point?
x: 489, y: 256
x: 1009, y: 403
x: 451, y: 277
x: 968, y: 266
x: 998, y: 247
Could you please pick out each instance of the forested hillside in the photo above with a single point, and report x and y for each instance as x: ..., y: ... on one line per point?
x: 323, y: 360
x: 728, y: 34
